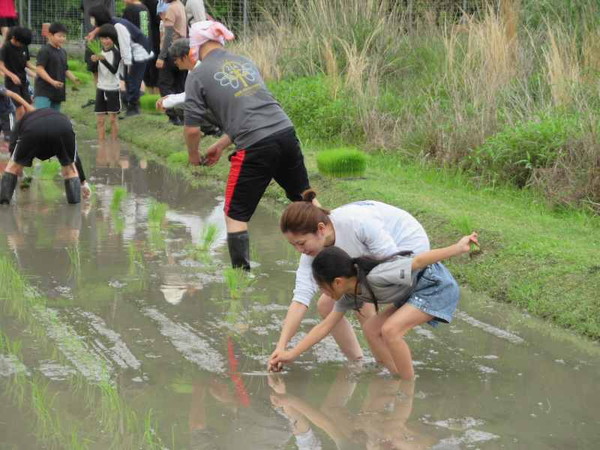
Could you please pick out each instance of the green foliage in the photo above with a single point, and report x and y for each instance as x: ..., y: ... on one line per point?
x: 95, y: 47
x: 513, y: 153
x: 84, y: 77
x: 148, y: 103
x: 314, y: 110
x: 178, y: 158
x: 76, y: 65
x: 119, y: 194
x: 49, y: 169
x: 237, y: 281
x: 342, y: 162
x: 157, y: 212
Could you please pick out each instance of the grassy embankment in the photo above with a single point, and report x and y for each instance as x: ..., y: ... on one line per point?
x: 491, y: 125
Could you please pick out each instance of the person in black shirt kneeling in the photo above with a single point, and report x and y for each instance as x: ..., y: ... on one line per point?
x: 42, y: 134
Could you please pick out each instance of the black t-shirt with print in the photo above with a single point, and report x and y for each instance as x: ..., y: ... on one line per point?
x: 15, y: 59
x: 54, y: 60
x: 138, y: 15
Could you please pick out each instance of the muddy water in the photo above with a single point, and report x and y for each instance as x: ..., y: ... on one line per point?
x: 132, y: 339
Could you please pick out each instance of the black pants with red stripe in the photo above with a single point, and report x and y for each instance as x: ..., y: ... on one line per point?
x: 277, y: 157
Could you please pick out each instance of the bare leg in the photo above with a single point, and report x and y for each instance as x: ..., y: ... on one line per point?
x: 342, y: 333
x: 100, y: 127
x: 114, y: 126
x: 372, y: 330
x: 14, y: 168
x: 69, y: 171
x: 235, y: 226
x: 393, y: 331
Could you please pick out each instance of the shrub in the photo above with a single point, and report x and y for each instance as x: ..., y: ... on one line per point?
x: 515, y: 152
x: 148, y: 103
x: 342, y: 162
x: 314, y: 110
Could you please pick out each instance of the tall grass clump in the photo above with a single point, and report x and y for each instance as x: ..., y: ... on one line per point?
x: 237, y: 281
x: 178, y: 158
x: 342, y: 162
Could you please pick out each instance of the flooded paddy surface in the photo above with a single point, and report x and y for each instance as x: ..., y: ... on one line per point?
x: 122, y: 328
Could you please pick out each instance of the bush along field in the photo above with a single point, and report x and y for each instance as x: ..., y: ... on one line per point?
x: 488, y: 121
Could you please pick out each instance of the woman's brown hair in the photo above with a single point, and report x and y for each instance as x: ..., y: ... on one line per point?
x: 303, y: 217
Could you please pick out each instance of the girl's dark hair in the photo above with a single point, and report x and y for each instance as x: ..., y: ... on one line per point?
x: 109, y: 31
x: 101, y: 14
x: 333, y: 262
x: 303, y: 217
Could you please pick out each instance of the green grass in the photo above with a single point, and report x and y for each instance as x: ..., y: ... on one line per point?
x: 342, y: 162
x: 84, y: 77
x: 178, y: 158
x: 49, y: 169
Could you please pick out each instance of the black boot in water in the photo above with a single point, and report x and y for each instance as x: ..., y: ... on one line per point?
x: 7, y: 187
x: 239, y: 249
x: 73, y: 190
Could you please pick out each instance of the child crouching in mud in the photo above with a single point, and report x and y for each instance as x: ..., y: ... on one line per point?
x: 417, y: 288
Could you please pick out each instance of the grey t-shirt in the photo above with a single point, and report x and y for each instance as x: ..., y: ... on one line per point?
x: 391, y: 282
x: 227, y: 92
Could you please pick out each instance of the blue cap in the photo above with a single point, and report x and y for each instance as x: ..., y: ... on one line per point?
x: 161, y: 7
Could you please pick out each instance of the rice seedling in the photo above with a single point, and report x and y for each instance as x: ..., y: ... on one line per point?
x: 76, y: 65
x: 84, y: 78
x: 49, y: 169
x: 95, y: 47
x: 148, y: 103
x: 75, y: 262
x: 237, y: 281
x: 342, y: 162
x: 208, y: 237
x: 157, y: 212
x: 465, y: 226
x: 119, y: 194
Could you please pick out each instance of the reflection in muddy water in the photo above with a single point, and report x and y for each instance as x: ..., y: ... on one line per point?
x: 121, y: 328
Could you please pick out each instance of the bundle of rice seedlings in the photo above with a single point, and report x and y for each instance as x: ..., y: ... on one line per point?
x: 84, y: 77
x: 95, y: 47
x: 342, y: 162
x: 76, y: 65
x: 148, y: 103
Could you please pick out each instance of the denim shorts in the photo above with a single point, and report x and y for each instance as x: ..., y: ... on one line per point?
x: 436, y: 293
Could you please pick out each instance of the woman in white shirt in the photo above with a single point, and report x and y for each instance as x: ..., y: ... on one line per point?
x: 364, y: 228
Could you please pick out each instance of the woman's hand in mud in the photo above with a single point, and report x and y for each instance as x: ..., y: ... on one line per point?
x: 279, y: 358
x: 465, y: 243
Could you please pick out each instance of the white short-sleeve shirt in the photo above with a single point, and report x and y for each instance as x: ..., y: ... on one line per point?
x: 365, y: 228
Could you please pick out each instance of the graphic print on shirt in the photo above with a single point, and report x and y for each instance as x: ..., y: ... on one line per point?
x: 238, y: 75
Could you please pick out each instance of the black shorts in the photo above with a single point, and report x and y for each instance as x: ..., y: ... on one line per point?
x: 8, y: 22
x: 21, y: 89
x: 276, y: 157
x: 56, y: 138
x: 107, y: 102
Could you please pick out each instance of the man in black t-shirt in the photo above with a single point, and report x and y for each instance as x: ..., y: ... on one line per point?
x: 42, y: 134
x: 14, y: 61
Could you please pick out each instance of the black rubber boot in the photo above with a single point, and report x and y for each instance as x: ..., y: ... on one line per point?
x: 73, y: 190
x: 239, y: 249
x: 7, y: 187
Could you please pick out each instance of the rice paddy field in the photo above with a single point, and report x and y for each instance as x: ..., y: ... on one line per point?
x: 123, y: 327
